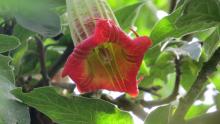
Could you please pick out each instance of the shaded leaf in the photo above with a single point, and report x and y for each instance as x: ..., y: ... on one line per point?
x: 12, y: 112
x: 8, y: 43
x: 73, y: 110
x: 6, y: 72
x: 212, y: 43
x: 36, y: 16
x: 159, y: 116
x: 27, y: 64
x: 23, y: 34
x: 42, y: 21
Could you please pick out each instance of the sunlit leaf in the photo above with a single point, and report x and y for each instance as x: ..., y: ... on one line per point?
x: 73, y: 110
x: 202, y: 12
x: 127, y: 15
x: 215, y: 79
x: 202, y: 15
x: 196, y: 110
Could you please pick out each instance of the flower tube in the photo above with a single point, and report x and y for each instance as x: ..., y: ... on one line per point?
x: 104, y: 56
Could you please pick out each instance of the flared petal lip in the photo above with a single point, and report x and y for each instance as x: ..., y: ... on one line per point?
x: 106, y: 32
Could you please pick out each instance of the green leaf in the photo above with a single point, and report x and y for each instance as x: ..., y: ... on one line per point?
x: 190, y: 71
x: 127, y: 15
x: 35, y: 15
x: 178, y: 23
x: 215, y: 79
x: 165, y: 61
x: 146, y: 19
x: 73, y: 110
x: 212, y: 43
x: 8, y: 43
x: 42, y: 21
x: 196, y: 110
x: 11, y: 6
x: 23, y: 34
x: 12, y: 112
x: 161, y: 4
x: 165, y: 28
x: 119, y: 3
x: 159, y: 116
x: 6, y: 72
x: 201, y: 12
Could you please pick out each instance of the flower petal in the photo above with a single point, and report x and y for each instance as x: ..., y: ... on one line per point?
x: 108, y: 59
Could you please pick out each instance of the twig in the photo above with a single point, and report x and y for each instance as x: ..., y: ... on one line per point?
x: 126, y: 104
x: 60, y: 61
x: 58, y: 36
x: 41, y: 52
x: 186, y: 102
x: 151, y: 90
x: 174, y: 94
x: 57, y: 65
x: 69, y: 86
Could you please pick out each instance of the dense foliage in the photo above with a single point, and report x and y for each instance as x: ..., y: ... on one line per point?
x: 181, y: 71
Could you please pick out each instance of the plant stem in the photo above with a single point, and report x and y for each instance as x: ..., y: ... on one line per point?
x: 174, y: 94
x: 151, y: 90
x: 60, y: 61
x: 186, y: 102
x: 41, y: 52
x: 210, y: 118
x: 57, y: 65
x: 127, y: 104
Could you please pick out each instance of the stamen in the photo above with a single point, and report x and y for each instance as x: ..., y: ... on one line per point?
x: 135, y: 33
x: 105, y: 55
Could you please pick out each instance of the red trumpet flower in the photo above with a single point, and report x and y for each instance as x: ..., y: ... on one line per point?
x: 108, y: 59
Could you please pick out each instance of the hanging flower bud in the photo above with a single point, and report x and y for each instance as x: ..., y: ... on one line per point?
x: 83, y: 14
x: 104, y: 57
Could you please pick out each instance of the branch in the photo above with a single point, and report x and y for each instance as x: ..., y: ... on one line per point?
x: 64, y: 85
x: 210, y: 118
x: 60, y: 61
x: 186, y: 102
x: 57, y: 65
x: 41, y: 52
x: 125, y: 104
x: 151, y: 90
x: 174, y: 94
